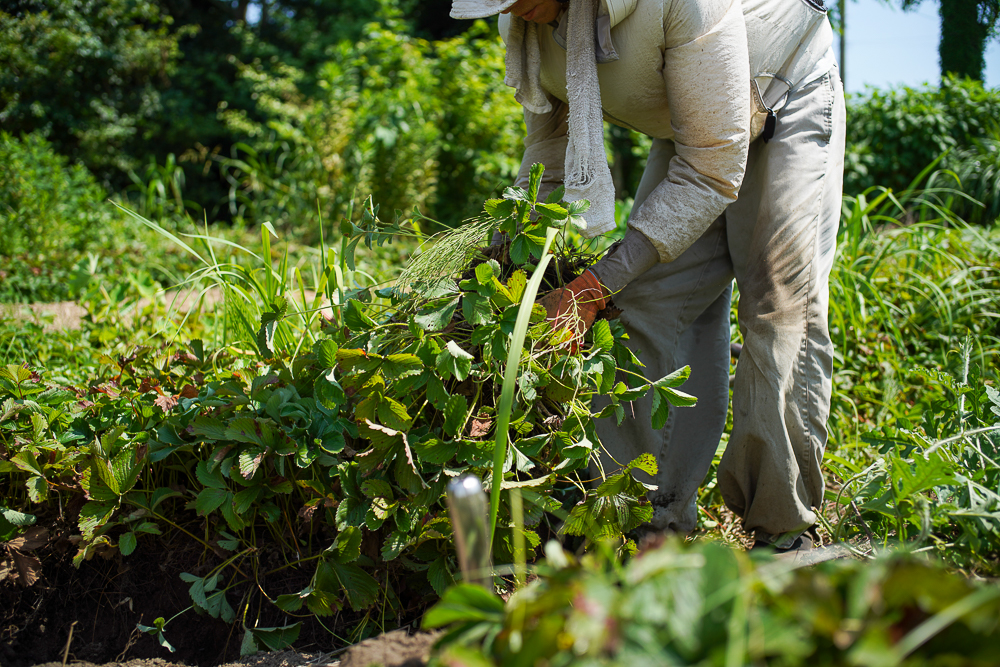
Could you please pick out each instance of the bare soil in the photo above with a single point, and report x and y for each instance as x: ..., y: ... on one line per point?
x: 62, y: 315
x: 88, y: 616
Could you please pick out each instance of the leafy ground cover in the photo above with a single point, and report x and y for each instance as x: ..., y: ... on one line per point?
x: 703, y: 603
x: 327, y: 443
x: 291, y: 459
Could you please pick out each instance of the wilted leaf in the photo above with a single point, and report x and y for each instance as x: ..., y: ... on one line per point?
x: 165, y: 403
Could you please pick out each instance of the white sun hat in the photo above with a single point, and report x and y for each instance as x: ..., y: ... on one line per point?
x: 478, y: 9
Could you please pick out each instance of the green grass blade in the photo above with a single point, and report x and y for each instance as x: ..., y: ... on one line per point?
x: 510, y: 379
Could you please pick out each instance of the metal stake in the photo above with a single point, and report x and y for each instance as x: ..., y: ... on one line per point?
x: 468, y: 507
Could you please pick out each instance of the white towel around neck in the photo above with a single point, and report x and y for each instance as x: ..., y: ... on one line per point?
x: 587, y: 173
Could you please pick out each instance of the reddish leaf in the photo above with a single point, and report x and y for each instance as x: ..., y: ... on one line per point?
x: 479, y: 427
x: 29, y: 568
x: 188, y: 392
x: 147, y: 385
x: 165, y: 403
x: 32, y: 539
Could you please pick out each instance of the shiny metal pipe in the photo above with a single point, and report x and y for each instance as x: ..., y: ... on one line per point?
x: 467, y: 504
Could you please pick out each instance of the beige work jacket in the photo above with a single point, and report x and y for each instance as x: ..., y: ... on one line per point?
x: 686, y: 71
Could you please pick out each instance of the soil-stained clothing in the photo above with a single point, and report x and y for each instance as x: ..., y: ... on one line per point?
x: 717, y: 202
x: 778, y: 241
x: 686, y: 72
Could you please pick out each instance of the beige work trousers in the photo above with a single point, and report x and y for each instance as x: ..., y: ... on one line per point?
x: 777, y: 240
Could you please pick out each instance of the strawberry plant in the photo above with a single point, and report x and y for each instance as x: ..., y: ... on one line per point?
x: 332, y: 445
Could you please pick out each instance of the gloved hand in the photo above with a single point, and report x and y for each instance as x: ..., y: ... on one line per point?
x: 575, y: 306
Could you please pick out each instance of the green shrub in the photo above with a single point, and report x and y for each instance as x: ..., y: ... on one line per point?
x: 46, y: 204
x: 87, y: 74
x: 892, y: 135
x: 978, y: 170
x: 413, y: 123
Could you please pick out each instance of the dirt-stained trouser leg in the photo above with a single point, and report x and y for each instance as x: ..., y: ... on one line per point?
x: 782, y: 235
x: 676, y: 314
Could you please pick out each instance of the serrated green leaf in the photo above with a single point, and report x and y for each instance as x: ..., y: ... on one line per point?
x: 209, y: 500
x: 245, y: 499
x: 438, y: 317
x: 484, y: 273
x: 554, y: 211
x: 248, y: 646
x: 250, y: 460
x: 498, y: 209
x: 394, y: 544
x: 660, y: 410
x: 265, y: 338
x: 455, y: 412
x: 476, y: 308
x: 436, y: 393
x: 125, y: 470
x: 435, y: 451
x: 359, y: 586
x: 346, y: 547
x: 676, y: 397
x: 26, y: 461
x: 212, y: 479
x: 38, y: 490
x: 209, y: 428
x: 328, y: 391
x: 439, y: 576
x: 93, y: 515
x: 291, y: 602
x: 148, y: 527
x: 326, y: 353
x: 38, y: 426
x: 277, y: 639
x: 398, y: 366
x: 127, y: 543
x: 645, y: 462
x: 535, y: 180
x: 516, y: 284
x: 603, y: 338
x: 356, y: 316
x: 244, y: 429
x: 454, y: 361
x: 515, y: 193
x: 374, y: 488
x: 675, y: 379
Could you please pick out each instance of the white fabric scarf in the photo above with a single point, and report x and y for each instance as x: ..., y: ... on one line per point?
x: 587, y: 173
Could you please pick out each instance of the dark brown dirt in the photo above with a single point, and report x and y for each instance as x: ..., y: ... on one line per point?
x: 94, y: 609
x: 276, y: 659
x: 393, y: 649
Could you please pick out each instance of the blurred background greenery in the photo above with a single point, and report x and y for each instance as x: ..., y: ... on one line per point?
x: 286, y: 111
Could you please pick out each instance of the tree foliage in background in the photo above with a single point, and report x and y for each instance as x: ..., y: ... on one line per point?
x: 966, y: 25
x: 893, y: 134
x: 87, y: 74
